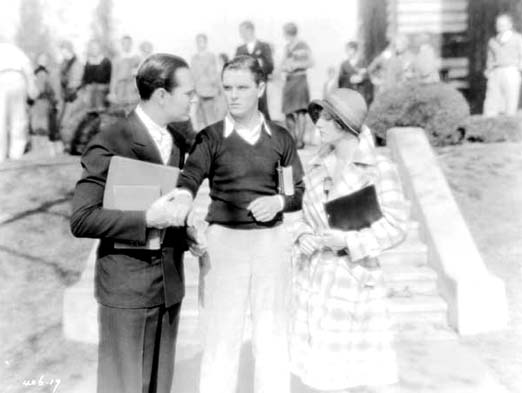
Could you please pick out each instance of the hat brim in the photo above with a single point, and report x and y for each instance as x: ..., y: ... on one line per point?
x: 317, y: 106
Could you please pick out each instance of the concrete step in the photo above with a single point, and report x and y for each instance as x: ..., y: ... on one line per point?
x: 409, y: 314
x: 408, y: 280
x: 416, y: 256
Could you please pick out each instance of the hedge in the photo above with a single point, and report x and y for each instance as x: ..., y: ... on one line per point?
x: 438, y: 108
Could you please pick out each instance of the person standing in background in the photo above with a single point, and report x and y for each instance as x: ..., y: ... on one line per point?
x: 392, y: 66
x: 71, y: 73
x: 17, y: 84
x: 262, y: 51
x: 123, y: 91
x: 503, y: 67
x: 353, y: 74
x: 296, y: 95
x: 96, y: 77
x: 146, y: 49
x: 43, y: 113
x: 425, y: 64
x: 206, y: 78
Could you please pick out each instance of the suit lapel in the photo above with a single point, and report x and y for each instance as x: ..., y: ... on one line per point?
x: 143, y: 145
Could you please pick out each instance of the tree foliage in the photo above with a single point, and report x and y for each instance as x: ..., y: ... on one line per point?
x: 32, y: 35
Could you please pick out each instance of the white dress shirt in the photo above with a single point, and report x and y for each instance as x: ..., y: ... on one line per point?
x: 250, y: 46
x: 159, y: 134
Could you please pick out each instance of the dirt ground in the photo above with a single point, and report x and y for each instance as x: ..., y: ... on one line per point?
x: 39, y: 259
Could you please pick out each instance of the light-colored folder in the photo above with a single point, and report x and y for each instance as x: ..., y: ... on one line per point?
x: 135, y: 185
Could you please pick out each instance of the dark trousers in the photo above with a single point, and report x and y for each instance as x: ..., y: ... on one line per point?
x: 263, y: 106
x: 136, y: 349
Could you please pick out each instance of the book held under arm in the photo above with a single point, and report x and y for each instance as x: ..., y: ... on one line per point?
x: 133, y: 185
x: 355, y: 211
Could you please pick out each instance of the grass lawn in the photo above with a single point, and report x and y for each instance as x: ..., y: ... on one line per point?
x: 39, y: 258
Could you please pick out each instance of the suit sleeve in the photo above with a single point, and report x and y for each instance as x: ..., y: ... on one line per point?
x: 89, y: 218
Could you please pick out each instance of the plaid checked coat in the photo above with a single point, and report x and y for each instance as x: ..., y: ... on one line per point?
x: 339, y: 329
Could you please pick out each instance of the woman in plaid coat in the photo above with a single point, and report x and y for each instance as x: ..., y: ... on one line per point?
x: 340, y: 334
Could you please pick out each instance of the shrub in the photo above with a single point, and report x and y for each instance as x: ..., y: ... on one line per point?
x: 494, y: 129
x: 438, y: 108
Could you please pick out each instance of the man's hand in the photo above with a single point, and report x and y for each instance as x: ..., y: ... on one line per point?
x: 308, y: 243
x: 265, y: 208
x: 159, y: 214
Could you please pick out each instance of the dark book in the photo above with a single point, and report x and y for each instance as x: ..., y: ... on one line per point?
x: 354, y: 211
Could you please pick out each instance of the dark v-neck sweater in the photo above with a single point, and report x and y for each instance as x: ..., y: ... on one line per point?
x: 239, y: 172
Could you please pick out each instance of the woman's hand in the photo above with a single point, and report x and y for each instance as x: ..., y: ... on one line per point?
x: 333, y: 239
x: 308, y: 244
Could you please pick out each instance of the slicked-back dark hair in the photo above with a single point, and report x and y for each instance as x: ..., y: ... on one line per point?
x: 157, y: 71
x: 247, y: 63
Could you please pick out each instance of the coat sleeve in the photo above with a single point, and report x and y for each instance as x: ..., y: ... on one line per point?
x: 390, y: 229
x: 89, y: 218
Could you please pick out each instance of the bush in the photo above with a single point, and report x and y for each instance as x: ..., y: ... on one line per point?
x: 438, y: 108
x: 494, y: 129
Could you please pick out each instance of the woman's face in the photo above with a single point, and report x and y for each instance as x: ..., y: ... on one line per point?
x: 329, y: 130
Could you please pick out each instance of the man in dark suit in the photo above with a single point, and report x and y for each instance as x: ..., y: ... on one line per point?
x: 262, y: 52
x: 139, y: 291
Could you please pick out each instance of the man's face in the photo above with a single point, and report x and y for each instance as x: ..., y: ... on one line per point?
x: 126, y: 44
x: 177, y: 102
x: 201, y: 43
x: 241, y: 92
x: 350, y: 52
x: 503, y: 24
x: 94, y: 49
x: 246, y: 34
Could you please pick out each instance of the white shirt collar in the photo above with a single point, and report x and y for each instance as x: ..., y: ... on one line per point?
x: 230, y: 126
x: 154, y: 128
x: 506, y: 36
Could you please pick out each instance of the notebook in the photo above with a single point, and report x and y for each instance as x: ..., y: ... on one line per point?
x: 354, y: 211
x: 135, y: 185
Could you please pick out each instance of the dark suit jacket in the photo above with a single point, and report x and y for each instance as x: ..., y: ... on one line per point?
x: 262, y: 52
x: 346, y: 72
x: 127, y: 278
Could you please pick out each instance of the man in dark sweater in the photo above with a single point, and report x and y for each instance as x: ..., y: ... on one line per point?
x: 248, y: 248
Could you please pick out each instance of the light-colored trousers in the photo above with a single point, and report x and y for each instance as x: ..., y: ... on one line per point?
x: 503, y: 90
x: 246, y: 267
x: 14, y: 120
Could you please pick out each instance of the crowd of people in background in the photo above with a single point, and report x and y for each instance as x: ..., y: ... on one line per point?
x: 62, y: 95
